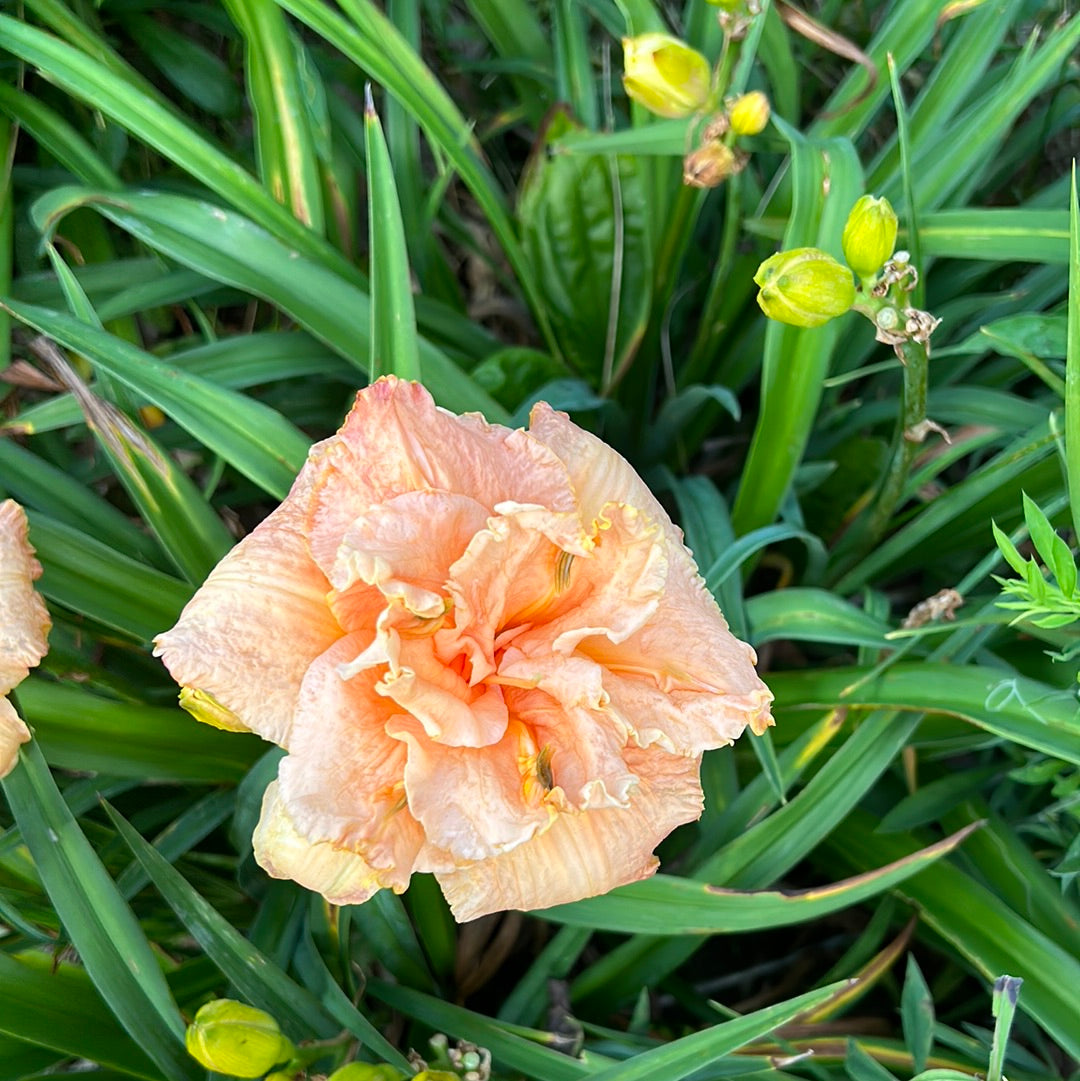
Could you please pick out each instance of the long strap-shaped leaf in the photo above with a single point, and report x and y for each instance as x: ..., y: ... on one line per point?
x: 375, y: 45
x: 251, y: 436
x: 102, y: 927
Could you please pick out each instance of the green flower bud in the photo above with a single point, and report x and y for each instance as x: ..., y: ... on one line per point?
x: 436, y: 1075
x: 804, y: 287
x: 235, y: 1039
x: 749, y: 113
x: 869, y: 235
x: 366, y: 1071
x: 665, y: 75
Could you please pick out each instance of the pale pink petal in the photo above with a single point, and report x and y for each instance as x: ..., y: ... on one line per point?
x: 24, y: 624
x: 612, y: 591
x: 13, y: 733
x: 599, y: 475
x: 249, y: 634
x: 24, y: 620
x: 586, y: 853
x: 341, y: 876
x: 406, y: 545
x: 686, y: 653
x: 440, y: 697
x: 396, y: 440
x: 470, y: 801
x: 570, y: 717
x: 342, y: 779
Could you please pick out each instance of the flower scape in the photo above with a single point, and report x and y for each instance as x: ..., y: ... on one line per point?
x: 486, y: 651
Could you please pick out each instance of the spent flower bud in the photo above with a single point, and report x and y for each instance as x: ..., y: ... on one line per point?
x: 235, y: 1039
x: 665, y: 74
x: 804, y: 287
x: 710, y: 165
x: 749, y: 113
x: 869, y: 235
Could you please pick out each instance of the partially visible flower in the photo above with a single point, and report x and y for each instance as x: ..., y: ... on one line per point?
x: 487, y: 652
x: 804, y: 287
x: 665, y: 74
x: 235, y: 1039
x: 24, y: 625
x: 749, y: 113
x: 869, y: 235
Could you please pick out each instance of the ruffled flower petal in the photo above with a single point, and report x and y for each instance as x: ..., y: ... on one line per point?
x: 24, y: 624
x: 254, y: 627
x: 470, y: 801
x: 341, y: 782
x: 396, y: 440
x: 586, y: 853
x: 283, y: 851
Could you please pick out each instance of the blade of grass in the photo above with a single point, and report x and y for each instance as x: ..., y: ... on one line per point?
x: 285, y: 146
x: 255, y: 439
x: 103, y: 929
x: 394, y: 346
x: 257, y: 977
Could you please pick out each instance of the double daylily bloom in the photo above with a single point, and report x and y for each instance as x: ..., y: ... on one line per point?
x: 488, y: 655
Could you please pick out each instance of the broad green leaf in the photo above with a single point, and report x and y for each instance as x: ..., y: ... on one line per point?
x: 812, y: 615
x: 1008, y: 706
x: 917, y: 1014
x: 230, y: 248
x: 585, y: 223
x: 827, y: 179
x: 982, y: 928
x: 285, y: 144
x: 997, y: 234
x: 675, y: 906
x: 93, y: 579
x: 80, y: 730
x: 55, y: 1005
x: 261, y: 981
x: 103, y: 929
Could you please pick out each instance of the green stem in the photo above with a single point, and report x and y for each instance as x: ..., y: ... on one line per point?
x: 906, y: 440
x: 698, y: 361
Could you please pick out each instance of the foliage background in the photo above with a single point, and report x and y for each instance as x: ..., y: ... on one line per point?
x: 184, y: 216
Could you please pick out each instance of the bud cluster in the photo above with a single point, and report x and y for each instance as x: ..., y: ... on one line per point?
x: 807, y: 287
x: 671, y: 79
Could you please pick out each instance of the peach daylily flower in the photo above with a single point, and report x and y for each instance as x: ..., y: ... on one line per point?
x: 488, y: 655
x: 24, y: 625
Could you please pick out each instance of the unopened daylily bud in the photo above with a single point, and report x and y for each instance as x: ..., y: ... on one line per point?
x: 804, y: 287
x: 869, y: 235
x: 665, y: 74
x: 436, y: 1075
x: 710, y: 165
x: 235, y: 1039
x: 749, y: 113
x: 206, y: 708
x: 367, y: 1071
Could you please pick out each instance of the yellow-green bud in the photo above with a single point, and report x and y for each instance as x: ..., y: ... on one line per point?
x: 804, y: 287
x: 436, y: 1075
x: 749, y: 113
x: 366, y: 1071
x: 727, y: 5
x: 206, y: 708
x: 235, y: 1039
x: 869, y: 235
x: 665, y: 75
